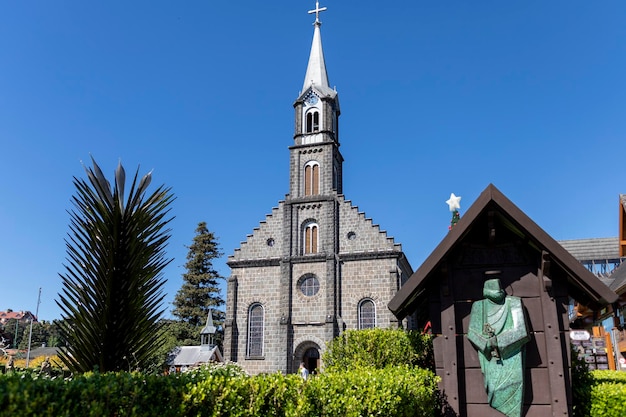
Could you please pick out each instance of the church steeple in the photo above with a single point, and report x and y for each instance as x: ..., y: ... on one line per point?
x: 317, y: 123
x: 316, y: 74
x: 317, y: 107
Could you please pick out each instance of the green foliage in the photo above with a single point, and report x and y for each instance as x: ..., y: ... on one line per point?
x: 223, y: 390
x: 8, y: 331
x: 112, y: 285
x: 228, y: 369
x: 44, y: 333
x: 616, y: 377
x: 393, y: 391
x: 608, y: 394
x: 582, y: 381
x: 111, y: 394
x: 200, y: 290
x: 378, y: 348
x: 597, y: 393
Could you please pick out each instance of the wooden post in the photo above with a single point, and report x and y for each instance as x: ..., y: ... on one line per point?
x: 554, y: 349
x: 449, y: 334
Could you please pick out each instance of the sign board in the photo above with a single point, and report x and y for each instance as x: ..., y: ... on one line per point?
x: 579, y: 335
x: 592, y: 350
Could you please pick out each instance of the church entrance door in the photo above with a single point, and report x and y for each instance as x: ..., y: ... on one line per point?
x: 311, y: 359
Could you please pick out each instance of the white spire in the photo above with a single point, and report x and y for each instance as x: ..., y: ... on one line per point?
x: 209, y: 328
x: 316, y: 70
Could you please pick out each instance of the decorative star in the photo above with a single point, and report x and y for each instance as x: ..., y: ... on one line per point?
x: 454, y: 202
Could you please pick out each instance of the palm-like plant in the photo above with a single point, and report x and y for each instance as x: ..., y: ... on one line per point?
x: 112, y: 286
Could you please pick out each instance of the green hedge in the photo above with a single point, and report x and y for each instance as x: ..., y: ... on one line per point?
x: 119, y: 394
x: 616, y: 377
x: 608, y: 394
x: 394, y: 391
x: 399, y: 391
x: 379, y: 348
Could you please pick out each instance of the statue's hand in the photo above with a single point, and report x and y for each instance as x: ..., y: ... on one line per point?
x: 491, y: 349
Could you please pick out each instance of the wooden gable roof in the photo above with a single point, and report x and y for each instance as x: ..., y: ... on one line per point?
x: 582, y: 284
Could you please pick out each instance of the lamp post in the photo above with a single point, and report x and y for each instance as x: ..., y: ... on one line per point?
x: 17, y: 322
x: 30, y: 333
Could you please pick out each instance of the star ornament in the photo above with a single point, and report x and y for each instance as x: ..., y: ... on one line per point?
x: 454, y: 202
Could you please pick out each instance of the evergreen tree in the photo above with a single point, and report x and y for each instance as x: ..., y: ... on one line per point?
x: 200, y: 290
x: 13, y: 332
x: 44, y: 333
x: 113, y: 285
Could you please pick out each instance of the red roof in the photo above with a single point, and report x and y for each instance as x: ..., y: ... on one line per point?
x: 16, y: 315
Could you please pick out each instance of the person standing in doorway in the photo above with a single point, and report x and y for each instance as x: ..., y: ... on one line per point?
x: 304, y: 372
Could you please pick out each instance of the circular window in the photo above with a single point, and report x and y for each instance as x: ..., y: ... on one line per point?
x: 309, y: 285
x: 270, y: 242
x: 351, y: 235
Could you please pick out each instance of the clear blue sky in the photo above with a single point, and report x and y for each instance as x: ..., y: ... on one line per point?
x: 436, y: 97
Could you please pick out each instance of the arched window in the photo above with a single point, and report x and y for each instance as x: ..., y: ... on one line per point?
x: 312, y: 178
x: 255, y: 330
x: 367, y: 314
x: 310, y: 238
x: 312, y: 121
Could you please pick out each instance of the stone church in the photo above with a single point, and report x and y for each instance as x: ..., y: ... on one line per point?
x: 316, y: 265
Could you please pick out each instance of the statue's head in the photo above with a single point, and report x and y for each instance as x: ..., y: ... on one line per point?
x: 493, y: 291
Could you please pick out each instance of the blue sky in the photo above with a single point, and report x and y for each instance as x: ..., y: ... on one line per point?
x: 436, y: 97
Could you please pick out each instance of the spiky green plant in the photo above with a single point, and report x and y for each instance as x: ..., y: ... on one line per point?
x: 113, y: 286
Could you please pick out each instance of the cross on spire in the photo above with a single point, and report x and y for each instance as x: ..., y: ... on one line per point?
x: 317, y: 11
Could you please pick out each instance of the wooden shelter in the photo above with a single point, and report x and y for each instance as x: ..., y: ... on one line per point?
x: 494, y: 235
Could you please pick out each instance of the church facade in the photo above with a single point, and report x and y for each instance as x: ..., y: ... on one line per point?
x: 316, y: 265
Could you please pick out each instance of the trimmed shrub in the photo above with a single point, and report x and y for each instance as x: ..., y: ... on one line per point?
x: 394, y: 391
x: 616, y: 377
x: 378, y: 348
x: 118, y: 394
x: 597, y: 393
x: 608, y: 399
x: 222, y: 391
x: 607, y: 394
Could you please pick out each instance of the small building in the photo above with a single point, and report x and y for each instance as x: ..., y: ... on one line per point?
x: 183, y: 358
x: 495, y: 235
x: 599, y: 255
x: 605, y: 257
x: 21, y: 316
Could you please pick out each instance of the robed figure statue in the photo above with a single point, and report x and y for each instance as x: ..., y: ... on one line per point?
x: 498, y: 332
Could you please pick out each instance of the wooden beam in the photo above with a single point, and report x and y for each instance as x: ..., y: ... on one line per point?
x: 449, y: 373
x: 557, y: 359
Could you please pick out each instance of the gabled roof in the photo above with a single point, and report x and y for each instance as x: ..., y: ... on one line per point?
x: 194, y: 355
x: 17, y: 315
x: 619, y: 279
x: 595, y: 249
x: 583, y: 282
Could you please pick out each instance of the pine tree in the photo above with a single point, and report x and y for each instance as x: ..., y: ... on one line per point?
x: 200, y: 290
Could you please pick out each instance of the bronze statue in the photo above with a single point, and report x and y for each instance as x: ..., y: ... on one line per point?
x: 498, y: 332
x: 46, y: 368
x: 10, y: 364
